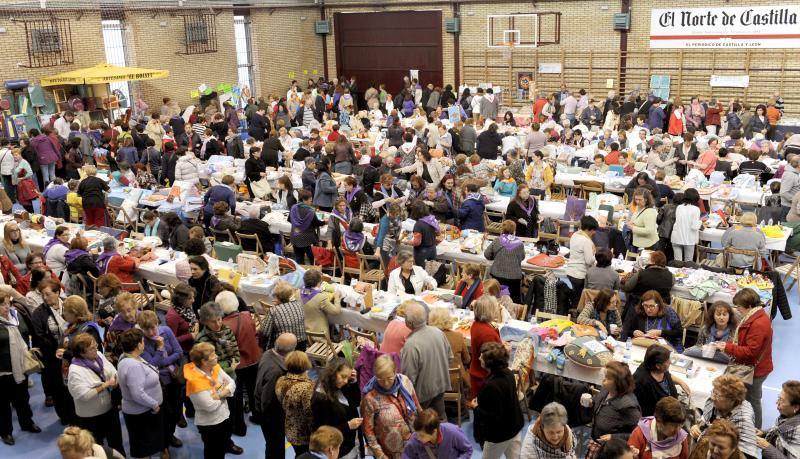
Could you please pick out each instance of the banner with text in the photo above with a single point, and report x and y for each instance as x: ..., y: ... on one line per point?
x: 731, y: 27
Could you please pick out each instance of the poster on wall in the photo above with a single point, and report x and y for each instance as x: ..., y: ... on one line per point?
x: 545, y: 67
x: 726, y: 28
x: 659, y: 86
x: 524, y: 83
x: 730, y: 81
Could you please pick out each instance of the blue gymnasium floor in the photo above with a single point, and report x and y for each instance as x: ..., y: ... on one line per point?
x: 43, y: 445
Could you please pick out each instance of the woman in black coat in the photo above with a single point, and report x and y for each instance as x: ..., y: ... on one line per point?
x: 524, y: 211
x: 498, y: 417
x: 335, y: 402
x: 204, y: 284
x: 254, y: 168
x: 642, y: 180
x: 489, y: 143
x: 615, y: 410
x: 395, y: 133
x: 653, y: 380
x: 177, y: 231
x: 272, y: 146
x: 48, y: 335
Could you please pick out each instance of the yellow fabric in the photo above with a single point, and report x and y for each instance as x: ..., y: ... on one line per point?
x: 75, y: 203
x: 230, y: 276
x: 103, y: 74
x: 689, y: 311
x: 774, y: 231
x: 197, y: 381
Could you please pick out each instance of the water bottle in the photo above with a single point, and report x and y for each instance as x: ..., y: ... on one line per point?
x: 253, y: 271
x: 628, y: 345
x: 769, y: 222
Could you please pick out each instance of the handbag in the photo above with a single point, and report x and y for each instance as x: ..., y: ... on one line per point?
x: 323, y: 256
x: 33, y: 361
x: 248, y: 263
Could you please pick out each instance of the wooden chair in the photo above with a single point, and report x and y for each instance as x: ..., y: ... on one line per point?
x: 126, y: 224
x: 493, y: 227
x: 631, y: 255
x: 265, y: 307
x: 321, y: 349
x: 587, y: 188
x: 460, y: 265
x: 359, y: 339
x: 543, y: 236
x: 454, y: 394
x: 252, y: 239
x: 558, y: 192
x: 791, y: 270
x: 223, y: 236
x: 702, y: 255
x: 286, y: 244
x: 548, y: 316
x: 368, y: 274
x: 571, y: 225
x: 160, y: 301
x: 95, y: 298
x: 728, y: 251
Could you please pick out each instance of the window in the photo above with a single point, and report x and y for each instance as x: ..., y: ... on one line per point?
x: 244, y: 60
x: 49, y: 42
x: 523, y: 30
x: 200, y: 34
x: 114, y: 43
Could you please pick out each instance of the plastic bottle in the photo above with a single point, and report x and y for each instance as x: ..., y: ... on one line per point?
x: 628, y: 345
x: 769, y: 222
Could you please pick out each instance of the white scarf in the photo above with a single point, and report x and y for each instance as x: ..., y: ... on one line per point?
x: 16, y: 346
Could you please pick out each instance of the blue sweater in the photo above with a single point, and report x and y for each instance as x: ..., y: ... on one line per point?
x: 140, y: 386
x: 219, y: 193
x: 454, y: 445
x: 167, y: 357
x: 128, y: 154
x: 471, y: 215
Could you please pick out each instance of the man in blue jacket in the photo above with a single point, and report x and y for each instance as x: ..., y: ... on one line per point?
x: 472, y: 209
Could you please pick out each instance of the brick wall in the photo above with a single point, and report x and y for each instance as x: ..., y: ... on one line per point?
x: 284, y: 42
x: 152, y: 45
x: 14, y: 54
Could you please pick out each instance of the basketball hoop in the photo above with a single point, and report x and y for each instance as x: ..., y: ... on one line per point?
x: 508, y: 49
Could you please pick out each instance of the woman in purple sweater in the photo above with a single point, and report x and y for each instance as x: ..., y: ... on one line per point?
x: 431, y: 438
x: 162, y: 351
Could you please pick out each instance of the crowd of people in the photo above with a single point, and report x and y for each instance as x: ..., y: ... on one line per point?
x: 210, y: 359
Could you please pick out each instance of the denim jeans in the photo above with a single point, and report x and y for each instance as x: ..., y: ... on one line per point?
x: 48, y: 173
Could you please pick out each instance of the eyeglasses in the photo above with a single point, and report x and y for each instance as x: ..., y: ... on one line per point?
x: 649, y: 305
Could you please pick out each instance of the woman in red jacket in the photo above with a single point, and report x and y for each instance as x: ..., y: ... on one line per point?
x: 751, y: 344
x: 677, y: 120
x: 487, y: 311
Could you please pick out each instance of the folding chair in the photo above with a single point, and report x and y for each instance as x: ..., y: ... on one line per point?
x: 251, y: 239
x: 321, y: 349
x: 369, y: 275
x: 791, y: 270
x: 454, y: 394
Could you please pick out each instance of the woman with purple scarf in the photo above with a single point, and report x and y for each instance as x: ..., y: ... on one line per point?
x: 55, y: 250
x: 354, y: 242
x: 523, y: 209
x: 339, y: 222
x: 357, y: 200
x: 426, y: 233
x: 303, y: 218
x: 661, y: 436
x: 91, y: 379
x: 508, y: 253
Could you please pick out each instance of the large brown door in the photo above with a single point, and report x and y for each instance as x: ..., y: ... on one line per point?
x: 383, y: 47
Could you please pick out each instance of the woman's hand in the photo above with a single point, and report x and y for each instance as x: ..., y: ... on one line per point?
x: 354, y: 423
x: 111, y: 383
x: 655, y: 333
x: 720, y: 345
x: 59, y: 353
x: 683, y: 385
x: 695, y: 431
x: 638, y: 334
x: 761, y: 443
x: 472, y: 404
x: 605, y: 437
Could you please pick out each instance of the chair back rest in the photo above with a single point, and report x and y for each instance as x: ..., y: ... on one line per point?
x: 747, y: 252
x: 318, y: 337
x: 242, y: 237
x: 359, y: 338
x: 690, y: 311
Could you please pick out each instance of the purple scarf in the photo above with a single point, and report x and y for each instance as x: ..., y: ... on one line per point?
x: 50, y: 244
x: 214, y: 221
x: 509, y: 241
x: 353, y: 241
x: 527, y: 209
x: 307, y: 293
x: 103, y: 259
x: 95, y: 365
x: 345, y: 219
x: 303, y: 223
x: 475, y: 196
x: 352, y: 194
x: 659, y: 445
x: 431, y: 221
x: 73, y: 254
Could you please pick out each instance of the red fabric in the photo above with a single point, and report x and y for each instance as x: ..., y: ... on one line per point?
x: 123, y: 267
x: 480, y: 333
x: 613, y: 158
x: 23, y: 285
x: 755, y: 339
x: 26, y: 191
x: 95, y: 216
x: 638, y: 441
x: 12, y: 273
x: 675, y: 125
x: 712, y: 115
x: 323, y: 256
x: 245, y: 331
x: 537, y: 108
x: 333, y: 136
x: 180, y: 328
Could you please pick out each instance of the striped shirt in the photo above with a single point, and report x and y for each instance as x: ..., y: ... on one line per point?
x: 283, y: 318
x: 743, y: 418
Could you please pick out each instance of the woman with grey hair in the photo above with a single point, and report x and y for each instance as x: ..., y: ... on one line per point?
x: 408, y: 277
x: 550, y: 437
x: 214, y: 331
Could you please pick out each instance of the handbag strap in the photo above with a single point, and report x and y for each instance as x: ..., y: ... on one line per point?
x: 430, y: 452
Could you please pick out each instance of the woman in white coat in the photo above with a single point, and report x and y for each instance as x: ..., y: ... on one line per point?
x: 187, y: 167
x: 90, y: 382
x: 686, y: 230
x: 408, y: 277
